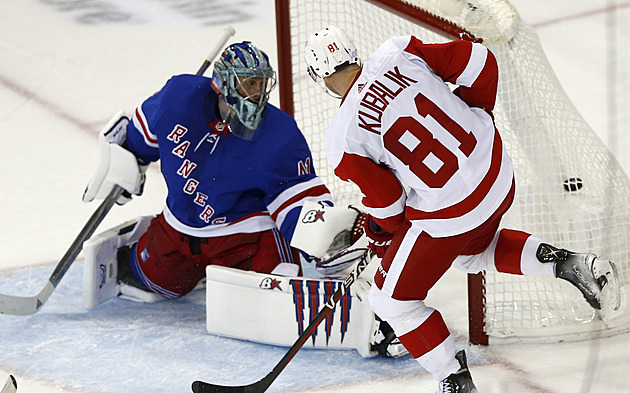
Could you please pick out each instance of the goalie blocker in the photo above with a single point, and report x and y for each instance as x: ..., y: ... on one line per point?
x: 117, y: 166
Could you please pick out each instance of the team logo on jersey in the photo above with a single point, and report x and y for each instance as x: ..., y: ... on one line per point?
x: 270, y: 283
x: 178, y: 132
x: 313, y: 216
x: 219, y: 127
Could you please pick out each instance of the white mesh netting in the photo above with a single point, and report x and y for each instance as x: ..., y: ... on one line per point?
x: 552, y: 147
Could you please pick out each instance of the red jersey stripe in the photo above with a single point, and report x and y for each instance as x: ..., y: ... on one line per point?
x: 145, y: 129
x: 475, y: 198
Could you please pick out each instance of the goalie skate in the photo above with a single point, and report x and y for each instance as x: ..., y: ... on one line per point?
x: 385, y: 342
x: 10, y: 386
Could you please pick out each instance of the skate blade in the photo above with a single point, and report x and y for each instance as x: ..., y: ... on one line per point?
x: 611, y: 292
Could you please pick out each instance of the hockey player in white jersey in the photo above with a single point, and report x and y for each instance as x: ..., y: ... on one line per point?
x: 400, y: 126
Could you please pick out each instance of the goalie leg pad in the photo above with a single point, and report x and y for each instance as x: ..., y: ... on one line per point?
x: 283, y: 307
x: 128, y: 285
x: 100, y: 270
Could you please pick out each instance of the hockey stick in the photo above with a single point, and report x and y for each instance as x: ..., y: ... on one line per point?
x: 18, y: 305
x: 227, y: 33
x: 263, y: 384
x: 10, y: 386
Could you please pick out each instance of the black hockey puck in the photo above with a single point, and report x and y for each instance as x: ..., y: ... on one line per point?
x: 572, y: 184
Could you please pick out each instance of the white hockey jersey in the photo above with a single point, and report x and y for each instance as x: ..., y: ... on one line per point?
x: 400, y: 126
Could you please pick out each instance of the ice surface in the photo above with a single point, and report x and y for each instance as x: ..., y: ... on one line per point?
x: 67, y: 66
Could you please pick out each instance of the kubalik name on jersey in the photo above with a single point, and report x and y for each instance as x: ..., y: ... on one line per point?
x: 378, y: 97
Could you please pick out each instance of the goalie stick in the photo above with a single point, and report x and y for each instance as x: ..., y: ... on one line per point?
x: 27, y: 305
x: 263, y: 384
x: 10, y: 386
x: 227, y: 33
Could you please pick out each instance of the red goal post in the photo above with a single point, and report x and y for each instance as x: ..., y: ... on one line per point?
x: 570, y: 189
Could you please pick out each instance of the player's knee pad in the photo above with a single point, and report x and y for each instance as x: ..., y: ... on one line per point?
x: 402, y: 315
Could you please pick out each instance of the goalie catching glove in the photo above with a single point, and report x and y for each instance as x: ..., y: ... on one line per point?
x: 117, y: 166
x: 378, y: 238
x: 353, y: 249
x: 331, y: 235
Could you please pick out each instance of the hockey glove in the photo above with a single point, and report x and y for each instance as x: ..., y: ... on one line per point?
x: 335, y: 265
x: 117, y: 166
x: 126, y: 195
x: 378, y: 238
x: 323, y: 230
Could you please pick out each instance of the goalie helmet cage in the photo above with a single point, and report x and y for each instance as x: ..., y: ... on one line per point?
x: 570, y: 191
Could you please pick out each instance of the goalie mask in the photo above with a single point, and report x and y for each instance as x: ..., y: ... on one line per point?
x: 244, y: 79
x: 326, y: 51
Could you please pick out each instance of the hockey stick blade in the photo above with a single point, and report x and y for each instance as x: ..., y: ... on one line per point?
x: 10, y: 386
x: 263, y: 384
x: 256, y: 387
x: 27, y: 305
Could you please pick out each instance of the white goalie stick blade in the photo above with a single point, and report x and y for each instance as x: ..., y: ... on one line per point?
x: 10, y: 386
x: 611, y: 292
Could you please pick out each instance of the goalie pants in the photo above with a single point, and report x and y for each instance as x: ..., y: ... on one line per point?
x: 415, y: 261
x: 172, y: 264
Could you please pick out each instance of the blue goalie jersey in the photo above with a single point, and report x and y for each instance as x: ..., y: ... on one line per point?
x: 219, y: 184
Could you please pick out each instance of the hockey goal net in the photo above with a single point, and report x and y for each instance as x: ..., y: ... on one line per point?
x: 570, y: 189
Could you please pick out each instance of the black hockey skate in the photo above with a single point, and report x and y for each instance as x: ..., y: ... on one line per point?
x: 125, y: 275
x: 596, y: 278
x: 129, y: 287
x: 460, y: 381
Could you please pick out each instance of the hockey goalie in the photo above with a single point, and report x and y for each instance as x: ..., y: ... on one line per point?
x: 238, y: 171
x: 268, y: 308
